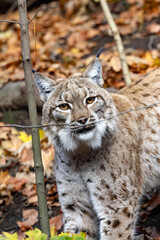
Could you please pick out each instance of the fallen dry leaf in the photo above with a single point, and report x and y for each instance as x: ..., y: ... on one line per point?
x: 115, y: 63
x: 152, y: 231
x: 154, y: 202
x: 30, y: 218
x: 5, y: 195
x: 153, y: 28
x: 5, y: 192
x: 16, y: 183
x: 24, y: 226
x: 26, y: 156
x: 56, y: 221
x: 4, y: 177
x: 47, y: 157
x: 33, y: 200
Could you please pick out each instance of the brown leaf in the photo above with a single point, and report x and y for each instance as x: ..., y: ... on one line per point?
x: 152, y: 231
x: 143, y: 216
x: 153, y: 28
x: 136, y: 60
x: 56, y: 221
x: 5, y: 192
x: 32, y: 196
x: 31, y: 217
x: 26, y: 155
x: 154, y: 202
x: 17, y: 183
x: 29, y: 193
x: 4, y: 177
x: 48, y: 156
x: 12, y: 145
x: 33, y: 200
x: 28, y: 212
x: 115, y: 63
x: 24, y: 226
x: 5, y: 195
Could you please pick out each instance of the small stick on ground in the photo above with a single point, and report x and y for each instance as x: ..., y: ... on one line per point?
x: 117, y: 39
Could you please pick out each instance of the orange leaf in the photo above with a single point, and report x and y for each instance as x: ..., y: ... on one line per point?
x: 4, y: 177
x: 56, y: 221
x: 24, y: 226
x: 153, y: 28
x: 115, y: 63
x: 31, y: 217
x: 17, y: 183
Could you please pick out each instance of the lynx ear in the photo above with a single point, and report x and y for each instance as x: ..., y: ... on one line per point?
x: 44, y: 85
x: 94, y: 71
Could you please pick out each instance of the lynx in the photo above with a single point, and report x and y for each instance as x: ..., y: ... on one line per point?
x: 104, y: 160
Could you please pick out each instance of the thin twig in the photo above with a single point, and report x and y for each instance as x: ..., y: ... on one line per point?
x: 117, y: 39
x: 30, y: 3
x: 11, y: 9
x: 35, y: 14
x: 9, y: 21
x: 15, y: 22
x: 64, y: 124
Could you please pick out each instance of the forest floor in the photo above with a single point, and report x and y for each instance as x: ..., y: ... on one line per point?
x: 64, y: 39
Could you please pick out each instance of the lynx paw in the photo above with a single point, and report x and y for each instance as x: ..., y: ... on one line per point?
x: 71, y: 228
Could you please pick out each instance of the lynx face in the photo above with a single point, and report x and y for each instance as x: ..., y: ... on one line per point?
x: 79, y: 106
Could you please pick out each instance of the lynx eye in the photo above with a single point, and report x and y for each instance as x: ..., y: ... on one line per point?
x: 64, y: 106
x: 90, y: 100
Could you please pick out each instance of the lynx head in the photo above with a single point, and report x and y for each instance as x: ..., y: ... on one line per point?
x: 77, y: 106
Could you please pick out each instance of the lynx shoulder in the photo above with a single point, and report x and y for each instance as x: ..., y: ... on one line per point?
x: 106, y: 154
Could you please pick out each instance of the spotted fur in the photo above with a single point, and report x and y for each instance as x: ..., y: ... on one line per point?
x: 102, y: 167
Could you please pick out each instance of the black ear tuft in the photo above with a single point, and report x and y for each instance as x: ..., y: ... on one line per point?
x: 94, y: 72
x: 33, y: 71
x: 99, y: 52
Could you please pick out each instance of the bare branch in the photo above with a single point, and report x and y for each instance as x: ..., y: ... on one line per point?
x: 9, y: 21
x: 11, y: 9
x: 15, y: 22
x: 35, y: 14
x: 117, y: 39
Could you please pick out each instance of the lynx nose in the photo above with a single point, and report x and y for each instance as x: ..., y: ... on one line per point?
x: 82, y: 120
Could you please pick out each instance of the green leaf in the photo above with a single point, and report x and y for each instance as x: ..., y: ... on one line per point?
x: 53, y: 231
x: 80, y: 236
x: 36, y: 235
x: 69, y: 236
x: 2, y: 238
x: 62, y: 236
x: 9, y: 236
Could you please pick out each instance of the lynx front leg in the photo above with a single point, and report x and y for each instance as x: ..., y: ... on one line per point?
x: 77, y: 209
x: 78, y: 214
x: 116, y: 210
x: 117, y: 220
x: 116, y: 226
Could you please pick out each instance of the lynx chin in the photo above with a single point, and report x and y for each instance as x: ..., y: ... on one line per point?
x: 103, y: 164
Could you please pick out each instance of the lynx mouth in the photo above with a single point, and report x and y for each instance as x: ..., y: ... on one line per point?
x: 84, y: 130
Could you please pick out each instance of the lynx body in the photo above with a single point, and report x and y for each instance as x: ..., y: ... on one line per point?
x: 102, y: 163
